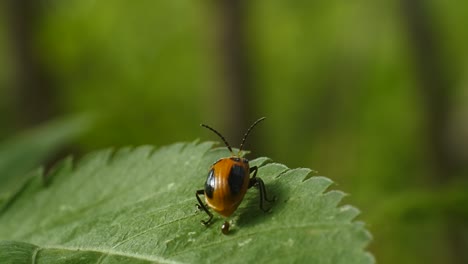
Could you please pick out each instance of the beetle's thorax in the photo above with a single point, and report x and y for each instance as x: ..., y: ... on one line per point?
x: 233, y: 158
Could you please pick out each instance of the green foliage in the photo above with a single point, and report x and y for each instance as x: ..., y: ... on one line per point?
x: 112, y: 52
x: 21, y: 154
x: 336, y: 80
x: 138, y: 206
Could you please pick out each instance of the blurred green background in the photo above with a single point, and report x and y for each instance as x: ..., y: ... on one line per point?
x: 372, y: 94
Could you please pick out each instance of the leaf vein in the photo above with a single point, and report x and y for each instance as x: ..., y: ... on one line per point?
x: 151, y: 259
x: 152, y: 228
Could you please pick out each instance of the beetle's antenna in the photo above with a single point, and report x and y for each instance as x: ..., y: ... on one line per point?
x: 219, y: 134
x: 247, y: 133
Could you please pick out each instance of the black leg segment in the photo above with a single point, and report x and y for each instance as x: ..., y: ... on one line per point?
x: 258, y: 183
x: 201, y: 206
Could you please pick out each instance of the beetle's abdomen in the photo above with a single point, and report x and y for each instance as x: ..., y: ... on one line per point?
x: 226, y: 185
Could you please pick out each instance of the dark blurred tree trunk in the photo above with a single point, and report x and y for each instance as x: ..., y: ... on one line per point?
x: 436, y: 88
x: 33, y: 91
x: 236, y: 82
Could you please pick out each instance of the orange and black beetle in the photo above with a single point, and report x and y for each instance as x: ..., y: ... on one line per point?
x: 227, y: 182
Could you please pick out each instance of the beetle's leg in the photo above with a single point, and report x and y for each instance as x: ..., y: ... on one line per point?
x: 201, y: 206
x: 257, y: 182
x: 254, y: 169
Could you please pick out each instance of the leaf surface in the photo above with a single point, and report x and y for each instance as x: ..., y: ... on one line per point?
x: 23, y: 153
x: 138, y: 206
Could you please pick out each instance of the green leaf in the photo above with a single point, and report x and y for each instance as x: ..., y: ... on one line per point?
x: 138, y: 206
x: 26, y: 151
